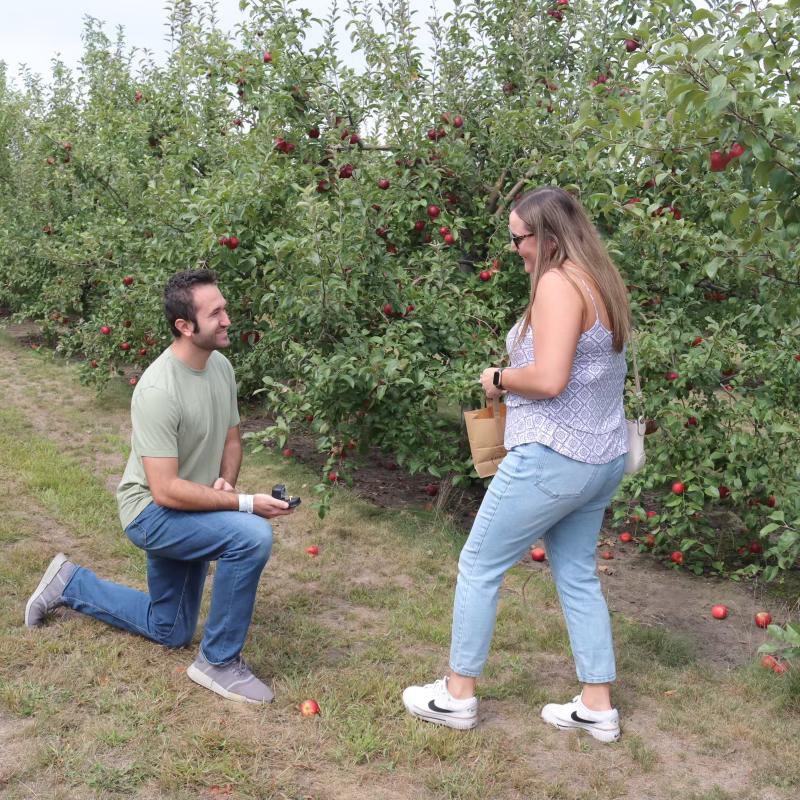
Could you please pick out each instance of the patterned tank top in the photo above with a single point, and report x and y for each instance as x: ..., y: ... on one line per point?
x: 586, y: 421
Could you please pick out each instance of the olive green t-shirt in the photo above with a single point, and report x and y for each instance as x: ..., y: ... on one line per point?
x: 178, y: 412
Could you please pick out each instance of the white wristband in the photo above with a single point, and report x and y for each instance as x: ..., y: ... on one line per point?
x: 246, y: 503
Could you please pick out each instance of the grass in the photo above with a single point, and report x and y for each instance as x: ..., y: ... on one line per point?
x: 90, y: 712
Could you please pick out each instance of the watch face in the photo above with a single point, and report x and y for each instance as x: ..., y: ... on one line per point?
x: 496, y: 378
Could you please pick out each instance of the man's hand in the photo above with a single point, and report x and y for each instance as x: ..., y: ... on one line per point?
x: 266, y: 506
x: 222, y: 485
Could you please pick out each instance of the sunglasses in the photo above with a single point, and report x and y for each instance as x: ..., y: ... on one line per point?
x: 517, y: 240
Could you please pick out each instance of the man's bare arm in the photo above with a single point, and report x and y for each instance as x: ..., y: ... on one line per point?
x: 231, y: 456
x: 171, y: 491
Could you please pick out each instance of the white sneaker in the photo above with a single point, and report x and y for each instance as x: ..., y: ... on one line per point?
x: 603, y: 725
x: 434, y: 703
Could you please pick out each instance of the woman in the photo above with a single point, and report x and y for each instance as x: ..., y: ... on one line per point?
x: 566, y: 441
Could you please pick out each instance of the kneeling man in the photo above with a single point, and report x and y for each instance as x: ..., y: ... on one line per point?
x: 177, y: 502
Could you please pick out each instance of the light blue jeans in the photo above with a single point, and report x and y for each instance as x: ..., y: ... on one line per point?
x: 179, y: 545
x: 538, y: 492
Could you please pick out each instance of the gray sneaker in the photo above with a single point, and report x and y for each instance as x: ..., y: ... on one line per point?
x: 48, y: 593
x: 234, y: 680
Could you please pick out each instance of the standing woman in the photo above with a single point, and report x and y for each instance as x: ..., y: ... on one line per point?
x: 566, y: 441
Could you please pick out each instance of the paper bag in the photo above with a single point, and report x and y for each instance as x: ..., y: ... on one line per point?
x: 485, y: 429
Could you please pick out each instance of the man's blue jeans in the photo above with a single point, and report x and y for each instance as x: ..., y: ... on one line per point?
x: 538, y: 492
x: 179, y: 545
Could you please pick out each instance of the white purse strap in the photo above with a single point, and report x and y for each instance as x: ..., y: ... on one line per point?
x: 637, y: 382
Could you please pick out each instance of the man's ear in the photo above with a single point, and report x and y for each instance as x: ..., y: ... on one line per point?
x: 185, y: 327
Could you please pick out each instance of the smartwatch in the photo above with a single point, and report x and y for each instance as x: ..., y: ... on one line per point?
x: 497, y: 379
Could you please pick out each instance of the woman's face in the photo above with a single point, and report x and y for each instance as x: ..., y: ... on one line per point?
x: 525, y: 243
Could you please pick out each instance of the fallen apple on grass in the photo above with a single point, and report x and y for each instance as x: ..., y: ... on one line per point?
x: 538, y: 554
x: 309, y: 708
x: 312, y: 550
x: 763, y: 619
x: 719, y: 611
x: 626, y: 537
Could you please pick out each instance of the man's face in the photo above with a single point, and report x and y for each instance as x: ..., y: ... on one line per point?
x: 211, y: 331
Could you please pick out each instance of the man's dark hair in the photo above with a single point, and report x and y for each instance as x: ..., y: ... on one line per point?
x: 178, y: 301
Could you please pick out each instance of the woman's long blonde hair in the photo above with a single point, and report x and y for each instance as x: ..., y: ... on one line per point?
x: 564, y: 232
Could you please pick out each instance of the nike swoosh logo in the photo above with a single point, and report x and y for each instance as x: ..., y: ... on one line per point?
x: 575, y: 716
x: 433, y: 707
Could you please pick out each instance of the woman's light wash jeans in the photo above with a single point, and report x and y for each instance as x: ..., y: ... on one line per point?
x: 538, y: 492
x: 179, y: 545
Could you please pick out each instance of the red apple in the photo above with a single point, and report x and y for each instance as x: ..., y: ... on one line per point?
x: 672, y: 376
x: 772, y: 501
x: 719, y: 612
x: 779, y: 667
x: 698, y: 340
x: 768, y: 661
x: 125, y: 346
x: 631, y: 45
x: 355, y: 138
x: 485, y: 275
x: 718, y: 161
x: 434, y: 211
x: 724, y: 492
x: 332, y: 476
x: 346, y: 171
x: 651, y: 540
x: 651, y: 514
x: 267, y: 57
x: 127, y: 280
x: 382, y: 232
x: 388, y: 310
x: 691, y: 422
x: 105, y: 330
x: 233, y: 242
x: 323, y: 186
x: 432, y: 489
x: 237, y: 122
x: 607, y: 555
x: 736, y: 151
x: 383, y: 183
x: 93, y: 364
x: 756, y: 548
x: 449, y: 239
x: 626, y: 537
x: 444, y: 230
x: 458, y: 121
x: 312, y: 550
x: 313, y: 133
x: 67, y: 146
x: 677, y: 557
x: 138, y: 96
x: 419, y: 225
x: 763, y: 619
x: 678, y: 488
x: 309, y: 708
x: 287, y: 452
x: 538, y: 554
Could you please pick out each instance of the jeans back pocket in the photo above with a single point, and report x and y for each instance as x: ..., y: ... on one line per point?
x: 561, y: 476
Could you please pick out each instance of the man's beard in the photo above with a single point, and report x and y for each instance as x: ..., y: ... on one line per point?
x: 207, y: 341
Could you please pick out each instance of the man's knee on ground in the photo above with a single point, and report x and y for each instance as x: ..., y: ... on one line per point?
x: 174, y: 637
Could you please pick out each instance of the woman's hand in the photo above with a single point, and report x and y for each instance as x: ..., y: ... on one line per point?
x: 487, y: 381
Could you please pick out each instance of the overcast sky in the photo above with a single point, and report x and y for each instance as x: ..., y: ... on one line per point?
x: 34, y: 31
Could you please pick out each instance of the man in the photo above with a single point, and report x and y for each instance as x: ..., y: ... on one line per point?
x: 178, y: 503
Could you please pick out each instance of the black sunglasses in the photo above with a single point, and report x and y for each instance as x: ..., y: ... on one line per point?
x: 519, y: 239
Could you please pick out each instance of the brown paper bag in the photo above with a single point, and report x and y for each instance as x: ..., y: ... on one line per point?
x: 485, y: 429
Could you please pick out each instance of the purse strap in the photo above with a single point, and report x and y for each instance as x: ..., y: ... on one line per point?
x: 637, y: 382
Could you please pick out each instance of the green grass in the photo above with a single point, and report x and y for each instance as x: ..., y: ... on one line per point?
x: 87, y: 711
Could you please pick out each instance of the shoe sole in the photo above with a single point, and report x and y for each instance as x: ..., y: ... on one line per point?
x: 598, y: 733
x: 200, y: 677
x: 449, y: 722
x: 50, y: 573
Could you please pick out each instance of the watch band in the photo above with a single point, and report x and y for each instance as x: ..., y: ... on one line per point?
x: 497, y: 379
